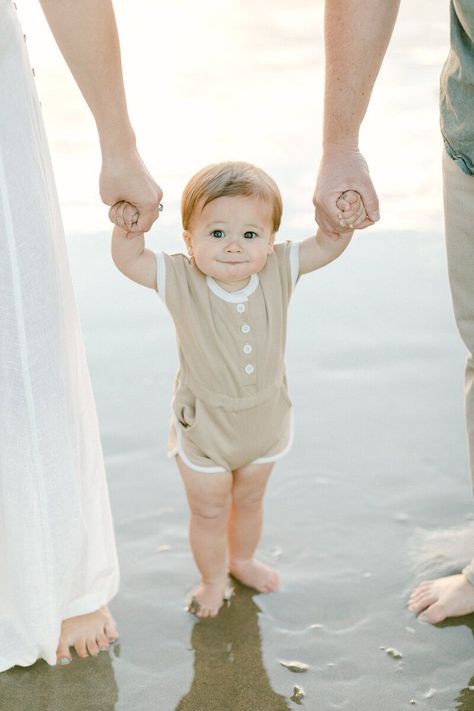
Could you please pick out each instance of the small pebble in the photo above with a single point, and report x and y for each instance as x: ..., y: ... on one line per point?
x: 298, y: 694
x: 413, y: 702
x: 276, y: 552
x: 295, y: 666
x: 429, y: 694
x: 411, y: 630
x: 392, y: 652
x: 163, y: 549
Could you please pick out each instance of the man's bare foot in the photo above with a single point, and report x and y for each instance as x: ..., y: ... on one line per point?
x: 207, y: 599
x: 256, y: 575
x: 438, y: 599
x: 88, y: 634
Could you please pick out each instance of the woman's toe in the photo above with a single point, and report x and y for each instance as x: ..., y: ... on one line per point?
x: 92, y: 646
x: 81, y: 648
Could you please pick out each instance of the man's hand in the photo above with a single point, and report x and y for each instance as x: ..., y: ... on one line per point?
x: 342, y: 168
x: 125, y: 179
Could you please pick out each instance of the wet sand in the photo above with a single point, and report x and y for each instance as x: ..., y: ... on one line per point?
x: 375, y: 494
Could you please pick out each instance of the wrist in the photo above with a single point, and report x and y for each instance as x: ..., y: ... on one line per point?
x: 350, y: 143
x: 116, y: 141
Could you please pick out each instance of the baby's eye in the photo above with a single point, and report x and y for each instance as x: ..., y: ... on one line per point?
x: 218, y: 234
x: 250, y: 235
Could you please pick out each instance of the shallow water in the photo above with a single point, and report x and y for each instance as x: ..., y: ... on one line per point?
x: 375, y: 493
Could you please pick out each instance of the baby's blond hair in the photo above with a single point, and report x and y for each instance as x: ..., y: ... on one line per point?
x: 227, y: 179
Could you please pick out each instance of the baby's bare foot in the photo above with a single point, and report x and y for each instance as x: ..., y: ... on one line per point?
x: 88, y: 634
x: 207, y: 599
x: 438, y: 599
x: 256, y: 575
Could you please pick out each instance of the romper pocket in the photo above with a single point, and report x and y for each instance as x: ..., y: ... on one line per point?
x: 185, y: 408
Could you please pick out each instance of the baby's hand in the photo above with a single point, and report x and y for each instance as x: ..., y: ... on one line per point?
x: 125, y: 216
x: 351, y: 210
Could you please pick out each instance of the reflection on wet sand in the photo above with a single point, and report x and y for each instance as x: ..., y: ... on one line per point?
x: 228, y: 665
x: 465, y: 700
x: 85, y: 685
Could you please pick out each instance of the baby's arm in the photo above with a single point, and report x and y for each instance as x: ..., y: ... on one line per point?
x: 321, y: 249
x: 131, y: 257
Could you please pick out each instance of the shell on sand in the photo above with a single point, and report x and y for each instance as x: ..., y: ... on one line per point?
x: 295, y: 666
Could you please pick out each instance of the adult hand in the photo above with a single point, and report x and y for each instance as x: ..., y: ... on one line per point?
x: 124, y: 178
x: 342, y: 168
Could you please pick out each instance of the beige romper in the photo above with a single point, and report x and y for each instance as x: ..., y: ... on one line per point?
x: 230, y: 403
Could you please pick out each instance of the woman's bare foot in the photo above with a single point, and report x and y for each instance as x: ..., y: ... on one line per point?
x: 256, y: 575
x: 438, y: 599
x: 207, y: 599
x: 88, y: 634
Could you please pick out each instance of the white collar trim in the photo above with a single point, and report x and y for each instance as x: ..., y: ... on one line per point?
x: 234, y: 297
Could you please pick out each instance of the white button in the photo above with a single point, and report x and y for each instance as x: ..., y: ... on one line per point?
x: 249, y: 369
x: 245, y: 328
x: 248, y: 348
x: 241, y: 308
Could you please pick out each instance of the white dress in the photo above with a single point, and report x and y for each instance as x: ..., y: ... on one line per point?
x: 57, y: 547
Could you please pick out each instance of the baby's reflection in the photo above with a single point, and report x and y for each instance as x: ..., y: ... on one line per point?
x: 465, y: 699
x: 86, y: 685
x: 228, y: 666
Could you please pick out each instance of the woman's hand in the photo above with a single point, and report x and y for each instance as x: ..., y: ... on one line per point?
x: 343, y: 168
x: 124, y: 178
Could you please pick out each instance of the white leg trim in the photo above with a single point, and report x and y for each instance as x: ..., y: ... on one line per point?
x: 179, y: 450
x: 275, y: 457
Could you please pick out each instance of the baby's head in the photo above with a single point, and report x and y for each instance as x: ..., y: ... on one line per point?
x: 231, y: 212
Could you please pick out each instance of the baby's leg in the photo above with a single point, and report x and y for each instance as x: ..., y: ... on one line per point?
x: 209, y: 497
x: 245, y: 527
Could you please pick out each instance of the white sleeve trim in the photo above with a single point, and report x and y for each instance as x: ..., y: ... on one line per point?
x: 160, y: 275
x: 294, y: 263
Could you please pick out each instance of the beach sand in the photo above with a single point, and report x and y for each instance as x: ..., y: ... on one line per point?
x: 375, y: 494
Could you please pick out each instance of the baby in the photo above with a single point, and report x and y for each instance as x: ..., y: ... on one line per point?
x: 231, y: 414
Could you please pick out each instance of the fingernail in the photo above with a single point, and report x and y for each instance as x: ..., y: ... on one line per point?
x: 112, y: 641
x: 64, y: 660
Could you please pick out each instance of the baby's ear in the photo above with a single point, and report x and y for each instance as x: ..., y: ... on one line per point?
x: 189, y: 243
x: 270, y: 243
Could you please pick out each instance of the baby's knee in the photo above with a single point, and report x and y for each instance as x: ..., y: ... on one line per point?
x: 211, y: 511
x: 250, y: 501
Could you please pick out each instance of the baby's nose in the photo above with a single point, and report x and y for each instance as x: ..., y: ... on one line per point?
x: 234, y: 246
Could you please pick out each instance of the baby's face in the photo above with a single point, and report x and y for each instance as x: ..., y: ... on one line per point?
x: 231, y: 238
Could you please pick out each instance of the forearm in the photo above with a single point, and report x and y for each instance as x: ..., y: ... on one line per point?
x: 332, y: 249
x: 357, y: 33
x: 125, y: 251
x: 321, y: 249
x: 86, y: 34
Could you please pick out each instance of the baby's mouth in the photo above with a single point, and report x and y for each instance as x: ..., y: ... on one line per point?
x: 239, y: 262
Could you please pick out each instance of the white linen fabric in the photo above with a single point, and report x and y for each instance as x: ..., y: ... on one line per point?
x: 57, y: 547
